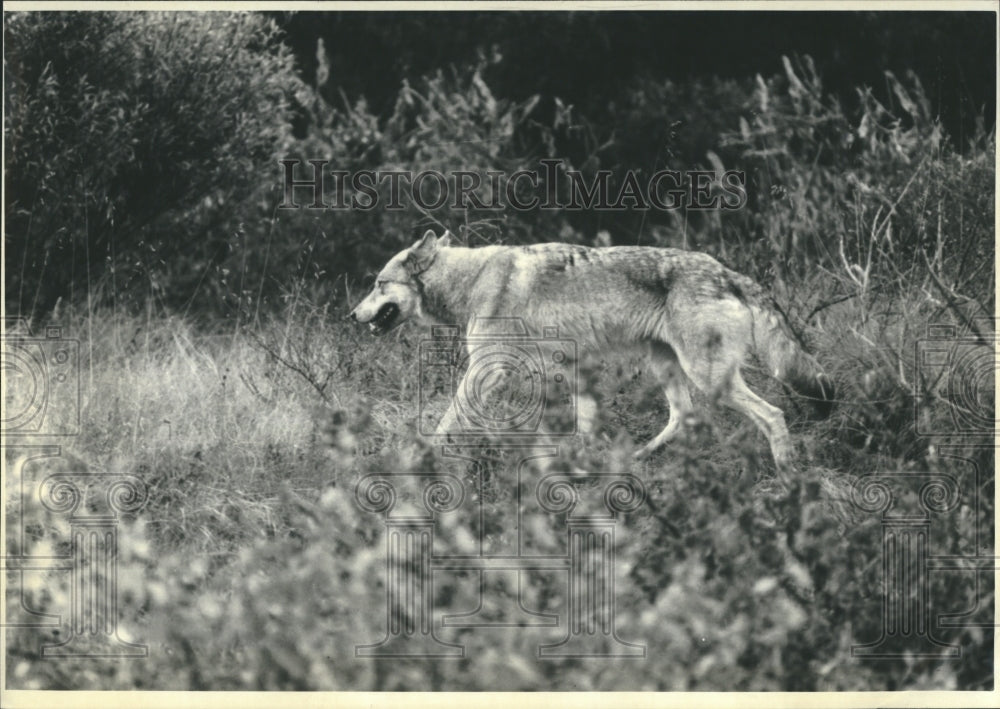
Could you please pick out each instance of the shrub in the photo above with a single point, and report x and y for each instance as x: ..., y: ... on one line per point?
x: 126, y: 133
x: 252, y: 565
x: 444, y: 122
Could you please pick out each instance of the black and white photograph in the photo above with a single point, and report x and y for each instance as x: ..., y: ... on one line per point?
x: 499, y: 347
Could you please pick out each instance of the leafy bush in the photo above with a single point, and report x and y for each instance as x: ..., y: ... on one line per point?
x: 126, y: 133
x: 252, y: 565
x: 868, y: 196
x: 446, y: 122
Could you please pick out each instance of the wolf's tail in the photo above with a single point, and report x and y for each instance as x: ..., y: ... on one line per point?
x: 786, y: 358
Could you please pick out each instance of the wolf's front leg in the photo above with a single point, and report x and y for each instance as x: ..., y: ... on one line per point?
x: 448, y: 425
x: 474, y: 396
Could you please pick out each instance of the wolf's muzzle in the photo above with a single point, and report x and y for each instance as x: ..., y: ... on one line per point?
x: 385, y: 319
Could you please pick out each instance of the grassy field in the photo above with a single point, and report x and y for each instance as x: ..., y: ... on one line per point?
x: 251, y: 564
x: 228, y: 415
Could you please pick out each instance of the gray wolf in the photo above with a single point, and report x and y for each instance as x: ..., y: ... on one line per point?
x: 696, y: 319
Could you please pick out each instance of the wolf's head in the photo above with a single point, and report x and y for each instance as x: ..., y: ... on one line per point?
x: 398, y: 292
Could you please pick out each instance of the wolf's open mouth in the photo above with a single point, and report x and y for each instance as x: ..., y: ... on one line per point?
x: 384, y: 319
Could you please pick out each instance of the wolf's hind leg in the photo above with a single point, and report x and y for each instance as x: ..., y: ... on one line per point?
x: 768, y: 418
x: 728, y: 385
x: 667, y: 369
x: 715, y: 342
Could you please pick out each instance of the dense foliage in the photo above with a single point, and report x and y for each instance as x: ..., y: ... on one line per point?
x: 126, y: 136
x: 143, y: 187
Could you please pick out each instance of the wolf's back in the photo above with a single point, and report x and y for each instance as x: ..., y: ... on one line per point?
x: 787, y: 360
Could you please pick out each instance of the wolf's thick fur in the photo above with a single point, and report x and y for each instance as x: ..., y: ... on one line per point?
x: 694, y: 316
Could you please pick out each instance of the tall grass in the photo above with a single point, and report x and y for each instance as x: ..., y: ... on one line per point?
x: 252, y: 566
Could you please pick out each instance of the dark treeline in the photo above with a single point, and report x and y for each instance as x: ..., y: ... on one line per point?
x: 143, y: 149
x: 588, y: 58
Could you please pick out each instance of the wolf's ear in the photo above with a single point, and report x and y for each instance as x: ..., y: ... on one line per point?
x: 426, y: 241
x: 422, y: 252
x: 447, y: 239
